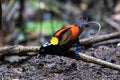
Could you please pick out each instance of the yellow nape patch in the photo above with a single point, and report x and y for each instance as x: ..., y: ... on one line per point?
x: 54, y: 41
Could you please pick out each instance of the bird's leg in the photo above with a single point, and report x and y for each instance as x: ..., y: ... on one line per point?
x: 77, y: 49
x: 80, y: 48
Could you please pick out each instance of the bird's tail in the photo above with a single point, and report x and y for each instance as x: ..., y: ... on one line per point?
x: 83, y: 23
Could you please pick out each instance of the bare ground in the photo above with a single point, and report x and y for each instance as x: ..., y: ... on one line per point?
x: 62, y: 68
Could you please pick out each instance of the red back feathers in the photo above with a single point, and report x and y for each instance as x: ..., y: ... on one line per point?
x: 67, y: 34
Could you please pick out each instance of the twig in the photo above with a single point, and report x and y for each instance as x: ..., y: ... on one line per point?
x: 112, y: 23
x: 9, y: 6
x: 111, y: 41
x: 90, y: 59
x: 91, y: 40
x: 18, y: 50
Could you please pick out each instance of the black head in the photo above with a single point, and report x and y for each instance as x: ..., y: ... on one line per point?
x: 48, y: 48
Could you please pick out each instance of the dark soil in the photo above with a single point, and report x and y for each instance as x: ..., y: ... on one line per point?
x: 63, y: 68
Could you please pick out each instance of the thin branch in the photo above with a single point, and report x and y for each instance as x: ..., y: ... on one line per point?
x: 90, y: 59
x: 18, y: 50
x: 9, y: 6
x: 112, y: 23
x: 111, y: 41
x: 91, y: 40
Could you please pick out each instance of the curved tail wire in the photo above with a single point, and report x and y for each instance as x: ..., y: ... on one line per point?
x: 83, y: 22
x: 94, y: 22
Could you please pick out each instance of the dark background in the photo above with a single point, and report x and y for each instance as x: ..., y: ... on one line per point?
x: 28, y: 21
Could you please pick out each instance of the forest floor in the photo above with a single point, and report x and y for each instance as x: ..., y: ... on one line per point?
x: 63, y: 68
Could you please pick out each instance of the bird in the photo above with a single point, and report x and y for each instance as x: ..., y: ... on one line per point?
x: 63, y: 39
